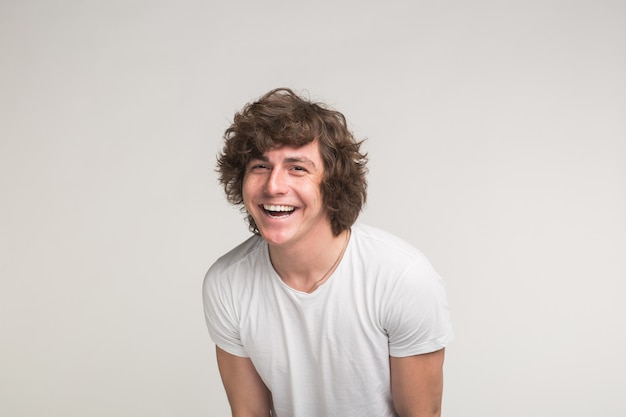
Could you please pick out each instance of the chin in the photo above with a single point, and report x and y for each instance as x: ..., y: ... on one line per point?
x: 274, y: 238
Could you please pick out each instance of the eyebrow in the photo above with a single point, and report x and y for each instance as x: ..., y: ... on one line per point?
x: 300, y: 159
x: 289, y: 159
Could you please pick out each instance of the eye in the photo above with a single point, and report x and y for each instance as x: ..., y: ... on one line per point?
x: 257, y: 167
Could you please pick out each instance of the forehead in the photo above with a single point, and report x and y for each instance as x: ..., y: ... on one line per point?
x: 309, y: 152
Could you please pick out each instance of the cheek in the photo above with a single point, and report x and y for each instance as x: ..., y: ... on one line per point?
x: 314, y: 189
x: 251, y: 190
x: 246, y: 191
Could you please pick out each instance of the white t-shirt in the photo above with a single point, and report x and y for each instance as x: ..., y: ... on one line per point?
x: 327, y: 353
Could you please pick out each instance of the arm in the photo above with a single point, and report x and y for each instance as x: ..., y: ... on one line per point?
x: 247, y: 394
x: 417, y: 384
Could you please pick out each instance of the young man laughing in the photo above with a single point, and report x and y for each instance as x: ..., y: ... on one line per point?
x: 315, y: 315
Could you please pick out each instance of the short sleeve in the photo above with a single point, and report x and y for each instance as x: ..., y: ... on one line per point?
x: 221, y: 313
x: 416, y: 315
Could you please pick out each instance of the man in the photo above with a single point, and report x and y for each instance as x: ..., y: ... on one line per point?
x: 313, y: 315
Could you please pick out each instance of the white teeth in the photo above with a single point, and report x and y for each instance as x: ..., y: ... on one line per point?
x: 271, y: 207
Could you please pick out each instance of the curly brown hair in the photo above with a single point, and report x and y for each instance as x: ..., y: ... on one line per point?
x: 281, y: 117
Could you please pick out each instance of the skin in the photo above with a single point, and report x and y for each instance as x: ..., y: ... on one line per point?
x: 247, y: 394
x: 287, y: 176
x: 417, y: 384
x: 302, y: 249
x: 301, y: 243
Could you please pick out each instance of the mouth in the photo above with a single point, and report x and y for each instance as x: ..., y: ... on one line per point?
x: 277, y: 211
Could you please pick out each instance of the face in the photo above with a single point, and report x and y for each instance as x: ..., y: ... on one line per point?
x: 281, y: 191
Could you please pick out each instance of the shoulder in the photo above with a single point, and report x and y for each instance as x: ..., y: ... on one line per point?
x: 251, y: 247
x: 228, y: 281
x: 385, y: 245
x: 391, y: 262
x: 226, y: 288
x: 245, y: 255
x: 412, y: 301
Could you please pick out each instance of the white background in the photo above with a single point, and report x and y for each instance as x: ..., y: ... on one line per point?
x: 497, y: 139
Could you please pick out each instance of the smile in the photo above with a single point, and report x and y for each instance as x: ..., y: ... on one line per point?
x: 278, y: 210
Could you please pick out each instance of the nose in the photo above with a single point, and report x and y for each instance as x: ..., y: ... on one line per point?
x: 276, y: 182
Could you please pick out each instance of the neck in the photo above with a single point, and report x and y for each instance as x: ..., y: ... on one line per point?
x: 306, y: 267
